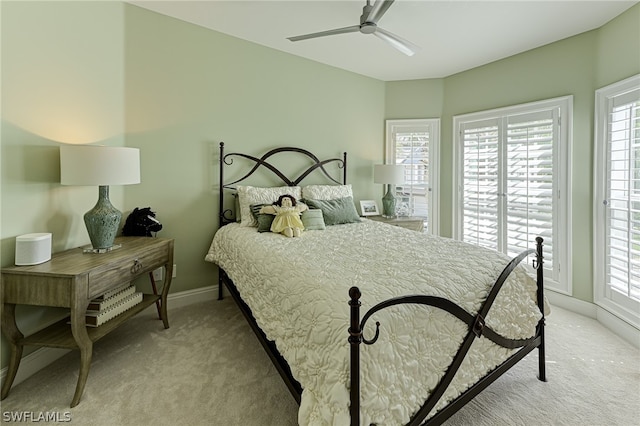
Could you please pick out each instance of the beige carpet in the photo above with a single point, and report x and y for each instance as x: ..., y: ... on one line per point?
x: 209, y: 369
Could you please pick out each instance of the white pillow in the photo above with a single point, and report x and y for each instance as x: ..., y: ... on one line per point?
x: 248, y: 195
x: 326, y: 192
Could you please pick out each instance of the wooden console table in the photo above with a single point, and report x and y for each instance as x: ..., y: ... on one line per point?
x: 70, y: 280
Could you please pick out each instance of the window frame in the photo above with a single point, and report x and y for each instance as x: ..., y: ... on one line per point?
x: 603, y: 296
x: 433, y: 222
x: 560, y: 278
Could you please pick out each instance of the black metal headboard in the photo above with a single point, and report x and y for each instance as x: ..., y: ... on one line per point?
x: 227, y: 159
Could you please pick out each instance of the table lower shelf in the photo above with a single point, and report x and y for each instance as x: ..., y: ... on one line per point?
x: 59, y: 335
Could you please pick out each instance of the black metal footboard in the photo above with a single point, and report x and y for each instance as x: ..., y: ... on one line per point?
x: 477, y: 328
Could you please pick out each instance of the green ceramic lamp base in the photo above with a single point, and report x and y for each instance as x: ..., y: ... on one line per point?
x: 389, y: 203
x: 102, y: 222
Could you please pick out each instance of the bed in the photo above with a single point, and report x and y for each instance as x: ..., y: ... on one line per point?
x: 369, y: 323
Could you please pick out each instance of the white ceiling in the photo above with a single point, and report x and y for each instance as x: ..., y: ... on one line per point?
x: 453, y: 35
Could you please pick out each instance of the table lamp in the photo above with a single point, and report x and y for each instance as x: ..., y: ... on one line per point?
x: 102, y: 166
x: 391, y: 175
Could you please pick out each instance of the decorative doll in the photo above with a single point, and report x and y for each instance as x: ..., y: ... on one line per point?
x: 287, y: 212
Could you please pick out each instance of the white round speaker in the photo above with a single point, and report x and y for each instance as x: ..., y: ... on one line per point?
x: 32, y: 249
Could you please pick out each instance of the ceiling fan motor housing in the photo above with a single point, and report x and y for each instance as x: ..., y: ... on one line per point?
x: 368, y: 28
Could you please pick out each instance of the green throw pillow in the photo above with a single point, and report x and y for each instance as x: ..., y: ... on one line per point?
x: 312, y: 220
x: 336, y: 211
x: 264, y: 220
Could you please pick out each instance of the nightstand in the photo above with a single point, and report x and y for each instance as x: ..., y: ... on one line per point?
x: 412, y: 223
x: 71, y: 279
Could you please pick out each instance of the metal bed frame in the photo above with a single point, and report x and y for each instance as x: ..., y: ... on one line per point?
x: 475, y: 323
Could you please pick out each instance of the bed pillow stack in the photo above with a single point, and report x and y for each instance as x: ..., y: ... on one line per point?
x: 328, y: 205
x: 311, y: 219
x: 252, y: 195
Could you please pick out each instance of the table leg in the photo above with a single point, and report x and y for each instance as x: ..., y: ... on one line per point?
x: 155, y: 291
x: 165, y: 292
x: 85, y: 364
x: 14, y: 337
x: 85, y: 345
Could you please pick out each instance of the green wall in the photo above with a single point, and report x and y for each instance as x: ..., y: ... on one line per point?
x: 57, y: 87
x: 618, y: 48
x: 412, y: 99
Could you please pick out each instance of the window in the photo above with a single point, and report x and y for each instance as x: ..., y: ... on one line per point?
x: 512, y: 182
x: 617, y: 199
x: 415, y: 144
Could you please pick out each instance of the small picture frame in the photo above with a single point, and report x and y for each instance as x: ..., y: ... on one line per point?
x: 369, y: 208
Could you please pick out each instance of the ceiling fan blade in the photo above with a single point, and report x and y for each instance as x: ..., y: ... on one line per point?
x: 399, y: 43
x: 378, y: 9
x: 351, y: 29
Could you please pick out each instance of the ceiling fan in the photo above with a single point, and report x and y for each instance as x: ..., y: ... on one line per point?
x: 369, y: 25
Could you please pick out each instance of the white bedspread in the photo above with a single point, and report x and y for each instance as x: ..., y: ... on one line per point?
x: 298, y: 288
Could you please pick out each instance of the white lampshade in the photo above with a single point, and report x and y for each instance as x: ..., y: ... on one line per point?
x: 388, y: 173
x: 99, y: 165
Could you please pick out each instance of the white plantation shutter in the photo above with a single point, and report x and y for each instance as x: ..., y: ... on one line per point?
x: 529, y: 181
x: 508, y: 185
x: 618, y: 198
x: 510, y: 168
x: 480, y: 187
x: 623, y: 200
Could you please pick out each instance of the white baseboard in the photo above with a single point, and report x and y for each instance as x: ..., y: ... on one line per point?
x: 618, y: 326
x: 571, y: 304
x: 591, y: 310
x: 189, y: 297
x: 42, y: 357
